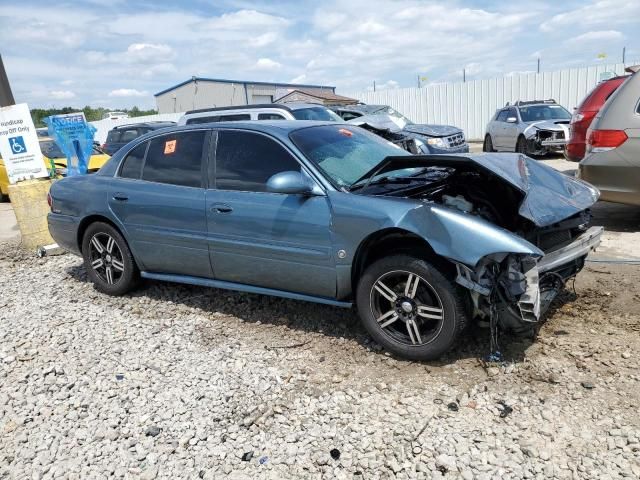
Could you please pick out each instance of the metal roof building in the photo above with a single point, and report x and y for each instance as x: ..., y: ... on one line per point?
x: 198, y: 92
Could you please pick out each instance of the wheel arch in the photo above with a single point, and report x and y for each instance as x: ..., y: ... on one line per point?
x: 90, y: 219
x: 390, y: 241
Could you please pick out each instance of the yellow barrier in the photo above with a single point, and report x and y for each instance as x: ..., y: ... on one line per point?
x: 29, y: 202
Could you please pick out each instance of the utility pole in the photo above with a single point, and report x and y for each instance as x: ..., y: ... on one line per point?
x: 624, y: 52
x: 374, y: 85
x: 419, y: 86
x: 6, y: 97
x: 464, y: 75
x: 538, y: 64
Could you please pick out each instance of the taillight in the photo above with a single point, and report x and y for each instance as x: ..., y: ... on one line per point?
x: 604, y: 140
x: 50, y: 201
x: 104, y: 145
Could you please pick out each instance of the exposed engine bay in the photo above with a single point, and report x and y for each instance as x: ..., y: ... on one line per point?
x: 512, y: 290
x: 546, y: 137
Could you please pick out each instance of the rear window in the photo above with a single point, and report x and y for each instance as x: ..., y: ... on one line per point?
x: 175, y: 159
x: 125, y: 136
x: 270, y: 116
x: 316, y: 113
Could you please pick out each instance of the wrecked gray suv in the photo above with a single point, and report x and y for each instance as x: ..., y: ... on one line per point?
x: 391, y: 125
x: 535, y: 127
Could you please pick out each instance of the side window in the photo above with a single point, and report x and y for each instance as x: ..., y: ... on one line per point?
x: 127, y: 135
x: 199, y: 120
x: 502, y: 116
x: 132, y: 164
x: 246, y: 160
x: 346, y: 116
x: 270, y: 116
x: 236, y: 117
x: 175, y: 159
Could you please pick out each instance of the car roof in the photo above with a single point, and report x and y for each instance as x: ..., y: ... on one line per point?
x: 153, y: 125
x: 282, y: 106
x: 363, y: 108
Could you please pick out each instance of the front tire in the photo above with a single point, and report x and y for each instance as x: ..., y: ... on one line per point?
x: 108, y: 260
x: 410, y: 308
x: 487, y: 146
x: 521, y: 145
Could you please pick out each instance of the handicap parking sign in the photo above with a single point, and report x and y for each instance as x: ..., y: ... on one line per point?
x: 17, y: 145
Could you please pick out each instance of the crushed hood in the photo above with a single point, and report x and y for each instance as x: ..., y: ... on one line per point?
x: 548, y: 125
x: 395, y: 125
x: 549, y: 196
x: 432, y: 130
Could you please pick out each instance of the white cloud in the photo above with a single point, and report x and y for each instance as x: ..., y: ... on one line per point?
x: 267, y: 64
x: 148, y: 53
x: 128, y: 92
x: 299, y: 79
x: 61, y: 94
x: 596, y: 37
x: 263, y: 40
x: 603, y: 12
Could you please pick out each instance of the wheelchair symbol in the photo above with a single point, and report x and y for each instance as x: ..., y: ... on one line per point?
x: 17, y: 145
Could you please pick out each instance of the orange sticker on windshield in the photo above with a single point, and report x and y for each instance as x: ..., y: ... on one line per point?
x: 345, y: 132
x: 169, y: 146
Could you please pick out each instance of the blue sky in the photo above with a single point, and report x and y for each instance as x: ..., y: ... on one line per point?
x: 116, y: 53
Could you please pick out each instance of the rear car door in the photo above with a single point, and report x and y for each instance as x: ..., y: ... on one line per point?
x: 270, y: 240
x: 159, y: 198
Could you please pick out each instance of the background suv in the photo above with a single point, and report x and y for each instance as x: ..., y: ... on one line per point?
x: 119, y: 136
x: 534, y: 128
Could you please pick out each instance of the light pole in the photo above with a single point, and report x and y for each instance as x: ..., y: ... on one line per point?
x: 6, y: 96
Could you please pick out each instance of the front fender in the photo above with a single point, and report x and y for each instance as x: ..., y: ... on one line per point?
x: 462, y: 237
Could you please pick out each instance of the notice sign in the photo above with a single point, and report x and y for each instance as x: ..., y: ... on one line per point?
x: 19, y: 147
x: 74, y: 136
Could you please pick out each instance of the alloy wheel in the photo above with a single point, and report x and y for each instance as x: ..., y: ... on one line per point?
x: 407, y: 308
x: 106, y: 258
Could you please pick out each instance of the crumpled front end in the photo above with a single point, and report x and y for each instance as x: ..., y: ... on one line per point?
x: 546, y: 137
x: 515, y: 290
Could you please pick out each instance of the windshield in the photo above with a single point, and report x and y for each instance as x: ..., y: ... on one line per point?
x: 544, y: 112
x: 317, y: 113
x: 344, y: 154
x: 50, y: 149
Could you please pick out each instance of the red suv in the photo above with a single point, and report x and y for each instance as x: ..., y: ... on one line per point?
x: 585, y: 113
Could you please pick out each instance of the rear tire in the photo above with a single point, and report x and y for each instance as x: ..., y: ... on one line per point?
x: 487, y: 146
x: 4, y: 197
x: 108, y: 260
x: 410, y: 308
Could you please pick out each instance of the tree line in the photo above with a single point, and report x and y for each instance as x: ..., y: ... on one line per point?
x: 91, y: 114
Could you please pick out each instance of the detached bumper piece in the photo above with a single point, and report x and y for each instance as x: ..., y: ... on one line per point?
x: 576, y: 250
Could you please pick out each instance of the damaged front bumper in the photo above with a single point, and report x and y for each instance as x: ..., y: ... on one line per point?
x: 518, y: 289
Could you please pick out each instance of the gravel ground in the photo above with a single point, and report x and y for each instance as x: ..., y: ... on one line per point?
x: 186, y: 382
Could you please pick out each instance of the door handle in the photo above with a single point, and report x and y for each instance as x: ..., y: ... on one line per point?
x: 121, y: 197
x: 221, y: 208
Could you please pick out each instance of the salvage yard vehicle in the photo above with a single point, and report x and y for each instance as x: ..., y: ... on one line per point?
x: 395, y: 127
x: 535, y: 127
x: 331, y: 213
x: 267, y: 111
x: 120, y: 135
x: 53, y: 155
x: 612, y: 160
x: 584, y: 115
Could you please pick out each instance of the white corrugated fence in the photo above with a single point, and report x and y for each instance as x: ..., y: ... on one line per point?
x: 470, y: 105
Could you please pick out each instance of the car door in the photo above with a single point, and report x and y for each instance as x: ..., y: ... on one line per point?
x: 496, y: 129
x: 510, y: 131
x: 271, y: 240
x: 158, y: 196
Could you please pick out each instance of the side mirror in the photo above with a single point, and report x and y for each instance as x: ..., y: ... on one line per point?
x: 291, y: 183
x: 512, y: 120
